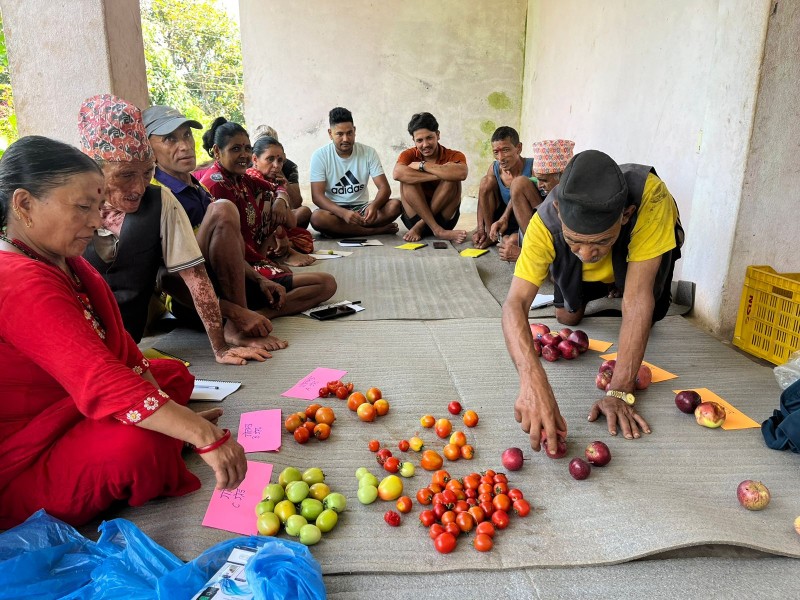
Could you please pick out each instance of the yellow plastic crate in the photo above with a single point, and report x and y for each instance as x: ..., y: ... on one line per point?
x: 768, y: 325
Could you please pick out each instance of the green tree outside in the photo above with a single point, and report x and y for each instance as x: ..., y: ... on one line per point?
x: 8, y: 120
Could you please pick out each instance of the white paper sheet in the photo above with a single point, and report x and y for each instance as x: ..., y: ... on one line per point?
x: 213, y: 391
x: 542, y: 300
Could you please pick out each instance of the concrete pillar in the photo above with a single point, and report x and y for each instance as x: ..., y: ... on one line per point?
x: 60, y: 53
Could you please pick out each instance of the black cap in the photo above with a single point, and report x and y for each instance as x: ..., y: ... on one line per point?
x: 163, y: 120
x: 592, y: 193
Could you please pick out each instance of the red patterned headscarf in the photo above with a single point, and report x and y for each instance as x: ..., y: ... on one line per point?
x: 111, y: 129
x: 551, y: 156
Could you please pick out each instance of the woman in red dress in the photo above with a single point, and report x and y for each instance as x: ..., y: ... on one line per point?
x: 85, y: 420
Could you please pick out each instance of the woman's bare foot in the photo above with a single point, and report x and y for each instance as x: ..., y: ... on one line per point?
x: 297, y: 259
x: 211, y: 415
x: 390, y: 228
x: 270, y: 342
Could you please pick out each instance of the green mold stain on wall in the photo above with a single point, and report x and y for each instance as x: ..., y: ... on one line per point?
x: 488, y: 127
x: 499, y: 100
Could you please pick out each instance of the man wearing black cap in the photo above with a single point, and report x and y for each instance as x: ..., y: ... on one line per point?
x: 604, y: 227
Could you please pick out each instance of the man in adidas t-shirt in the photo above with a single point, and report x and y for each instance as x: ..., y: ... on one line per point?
x: 340, y: 173
x: 430, y: 177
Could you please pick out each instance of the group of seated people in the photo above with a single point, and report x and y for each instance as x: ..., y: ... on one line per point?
x: 89, y: 234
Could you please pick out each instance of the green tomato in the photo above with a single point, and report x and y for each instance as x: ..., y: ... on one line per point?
x: 318, y: 491
x: 265, y: 506
x: 289, y: 474
x: 297, y: 491
x: 360, y: 472
x: 327, y: 520
x: 335, y: 501
x: 313, y: 475
x: 367, y: 494
x: 368, y: 479
x: 310, y: 535
x: 268, y: 523
x: 274, y: 492
x: 310, y: 508
x: 285, y: 509
x: 407, y: 469
x: 294, y: 524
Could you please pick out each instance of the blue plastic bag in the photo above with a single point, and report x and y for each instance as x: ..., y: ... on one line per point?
x: 46, y: 558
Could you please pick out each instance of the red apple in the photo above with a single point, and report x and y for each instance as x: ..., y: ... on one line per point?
x: 561, y: 446
x: 580, y: 339
x: 565, y: 333
x: 579, y: 468
x: 551, y: 339
x: 537, y: 347
x: 598, y: 454
x: 608, y: 365
x: 643, y: 378
x: 551, y: 353
x: 753, y: 495
x: 687, y: 401
x: 709, y: 414
x: 603, y: 380
x: 513, y: 459
x: 539, y: 329
x: 568, y: 349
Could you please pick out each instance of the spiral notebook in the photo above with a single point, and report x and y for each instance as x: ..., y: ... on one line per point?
x: 207, y: 390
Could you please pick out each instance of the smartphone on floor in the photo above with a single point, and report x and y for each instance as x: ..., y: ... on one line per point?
x: 334, y: 312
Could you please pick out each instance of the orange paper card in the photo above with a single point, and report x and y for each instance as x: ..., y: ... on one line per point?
x: 599, y: 346
x: 659, y: 374
x: 734, y: 418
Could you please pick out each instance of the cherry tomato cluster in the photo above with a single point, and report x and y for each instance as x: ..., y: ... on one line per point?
x: 368, y: 406
x: 316, y: 421
x: 479, y: 502
x: 336, y: 388
x: 457, y: 446
x: 391, y: 463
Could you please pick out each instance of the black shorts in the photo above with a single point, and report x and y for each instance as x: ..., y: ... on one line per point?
x: 513, y: 226
x: 448, y: 224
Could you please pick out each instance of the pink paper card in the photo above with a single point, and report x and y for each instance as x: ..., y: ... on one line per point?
x: 235, y: 510
x: 308, y: 387
x: 260, y: 430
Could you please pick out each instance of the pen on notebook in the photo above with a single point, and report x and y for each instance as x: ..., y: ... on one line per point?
x: 356, y: 302
x: 206, y: 387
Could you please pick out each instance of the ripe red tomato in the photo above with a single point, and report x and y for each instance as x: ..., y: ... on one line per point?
x: 502, y: 502
x: 486, y: 528
x: 471, y: 493
x: 404, y: 504
x: 439, y: 510
x: 454, y: 407
x: 374, y: 445
x: 500, y: 478
x: 521, y: 507
x: 500, y: 488
x: 477, y: 514
x: 461, y: 506
x: 515, y: 494
x: 435, y: 531
x: 341, y: 392
x: 465, y: 521
x: 332, y: 385
x: 482, y: 542
x: 472, y: 501
x: 470, y: 418
x: 324, y: 392
x: 425, y: 496
x: 490, y: 473
x: 448, y: 516
x: 311, y: 410
x: 487, y: 508
x: 453, y: 528
x: 301, y: 435
x: 403, y: 445
x: 467, y: 452
x: 427, y: 518
x: 449, y: 497
x: 445, y: 543
x: 392, y: 518
x: 485, y: 497
x: 310, y: 426
x: 500, y: 519
x: 392, y: 464
x: 472, y: 481
x: 440, y: 477
x: 485, y: 488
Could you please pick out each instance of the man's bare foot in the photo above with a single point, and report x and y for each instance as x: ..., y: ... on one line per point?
x: 297, y: 259
x: 390, y: 228
x: 456, y: 235
x: 481, y: 241
x: 509, y: 251
x: 415, y: 233
x: 211, y: 415
x: 270, y: 342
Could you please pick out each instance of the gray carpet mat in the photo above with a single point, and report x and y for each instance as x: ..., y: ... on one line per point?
x: 423, y: 284
x: 672, y: 489
x: 688, y: 579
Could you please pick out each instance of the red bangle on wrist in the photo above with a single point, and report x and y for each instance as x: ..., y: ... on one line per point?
x: 226, y: 435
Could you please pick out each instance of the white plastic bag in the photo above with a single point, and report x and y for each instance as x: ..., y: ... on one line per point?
x: 789, y: 372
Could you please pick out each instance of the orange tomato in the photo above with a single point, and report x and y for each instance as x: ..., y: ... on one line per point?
x: 425, y: 496
x: 431, y: 460
x: 325, y: 415
x: 355, y: 400
x: 451, y: 452
x: 293, y: 422
x: 311, y: 410
x: 404, y: 504
x: 435, y: 487
x: 501, y: 502
x: 443, y: 428
x: 459, y: 438
x: 448, y: 516
x: 427, y: 421
x: 472, y: 481
x: 470, y: 418
x: 477, y: 514
x: 366, y: 412
x: 310, y: 426
x: 322, y: 431
x: 440, y: 478
x: 465, y: 521
x: 454, y: 484
x: 373, y: 394
x: 301, y: 435
x: 381, y: 407
x: 467, y: 452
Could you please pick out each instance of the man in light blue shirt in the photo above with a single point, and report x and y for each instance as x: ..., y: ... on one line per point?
x: 340, y: 173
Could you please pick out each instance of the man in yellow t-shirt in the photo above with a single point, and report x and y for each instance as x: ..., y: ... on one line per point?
x: 604, y: 227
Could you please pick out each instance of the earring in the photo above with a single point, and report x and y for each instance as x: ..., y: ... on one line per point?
x: 15, y: 210
x: 28, y: 223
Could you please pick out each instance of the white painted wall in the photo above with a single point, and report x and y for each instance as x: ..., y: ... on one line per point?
x: 672, y: 84
x: 62, y: 53
x: 768, y: 227
x: 384, y: 61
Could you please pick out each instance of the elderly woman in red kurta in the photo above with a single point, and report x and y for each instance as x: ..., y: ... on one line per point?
x: 85, y: 419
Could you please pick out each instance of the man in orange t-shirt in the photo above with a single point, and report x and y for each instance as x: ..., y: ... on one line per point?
x: 430, y: 179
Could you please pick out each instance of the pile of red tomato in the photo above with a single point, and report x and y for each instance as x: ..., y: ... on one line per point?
x: 316, y: 421
x: 479, y: 502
